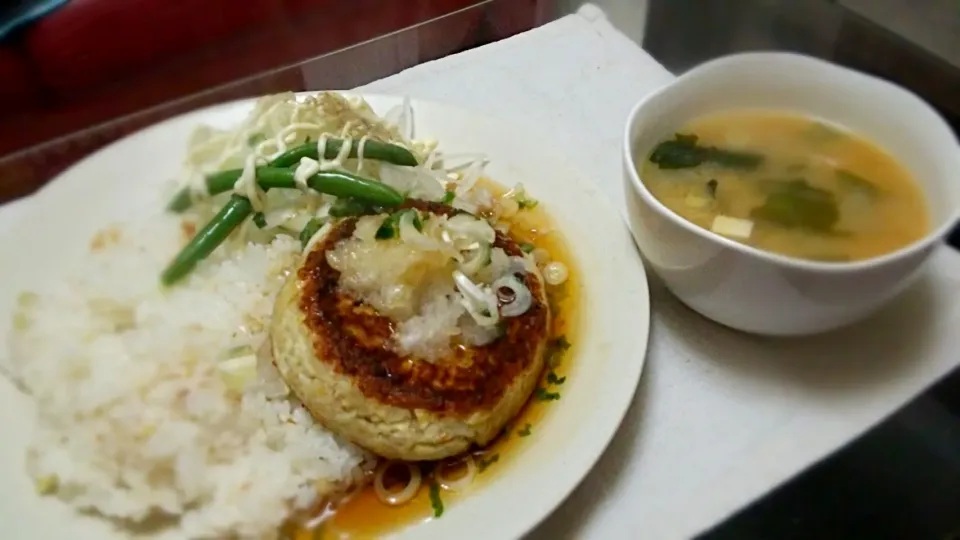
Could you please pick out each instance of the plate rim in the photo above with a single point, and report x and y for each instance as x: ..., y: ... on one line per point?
x: 524, y: 522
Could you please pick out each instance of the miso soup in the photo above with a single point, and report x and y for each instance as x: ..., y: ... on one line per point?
x: 787, y: 184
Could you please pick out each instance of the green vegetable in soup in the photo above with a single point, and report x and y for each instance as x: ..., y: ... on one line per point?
x: 703, y: 195
x: 683, y: 152
x: 797, y: 204
x: 712, y: 186
x: 855, y: 183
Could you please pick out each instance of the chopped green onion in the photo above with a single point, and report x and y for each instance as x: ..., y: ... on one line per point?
x: 388, y: 229
x: 47, y: 484
x: 390, y: 226
x: 448, y: 197
x: 260, y: 220
x: 524, y: 431
x: 519, y: 194
x: 527, y: 247
x: 485, y: 462
x: 555, y: 349
x: 553, y: 379
x: 311, y: 228
x: 435, y: 502
x: 543, y: 395
x: 479, y: 258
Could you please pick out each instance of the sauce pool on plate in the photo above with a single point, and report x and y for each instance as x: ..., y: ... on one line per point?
x: 363, y: 515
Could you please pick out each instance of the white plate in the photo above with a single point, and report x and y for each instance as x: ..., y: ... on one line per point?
x: 124, y: 180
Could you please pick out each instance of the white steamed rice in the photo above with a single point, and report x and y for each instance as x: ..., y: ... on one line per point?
x: 134, y: 419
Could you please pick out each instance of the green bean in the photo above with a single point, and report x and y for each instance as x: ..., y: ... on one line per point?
x: 380, y: 151
x: 204, y: 242
x: 354, y: 189
x: 349, y: 207
x: 342, y: 184
x: 339, y: 183
x: 224, y: 180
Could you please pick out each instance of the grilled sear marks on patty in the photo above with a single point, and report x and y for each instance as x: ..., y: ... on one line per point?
x: 353, y: 339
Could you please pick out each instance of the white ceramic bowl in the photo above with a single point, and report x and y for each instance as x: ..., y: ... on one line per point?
x: 760, y: 292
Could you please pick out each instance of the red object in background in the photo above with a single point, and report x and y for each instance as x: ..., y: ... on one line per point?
x: 95, y: 61
x: 18, y: 85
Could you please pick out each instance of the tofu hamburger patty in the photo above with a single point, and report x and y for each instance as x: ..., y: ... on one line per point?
x: 334, y: 352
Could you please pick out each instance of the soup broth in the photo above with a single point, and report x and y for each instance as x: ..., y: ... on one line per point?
x: 787, y: 184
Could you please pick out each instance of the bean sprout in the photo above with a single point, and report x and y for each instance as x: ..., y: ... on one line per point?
x: 307, y: 168
x: 360, y: 146
x: 322, y: 148
x: 469, y: 178
x: 247, y: 185
x: 343, y: 154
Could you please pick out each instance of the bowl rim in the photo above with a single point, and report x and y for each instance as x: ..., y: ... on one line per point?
x: 909, y: 250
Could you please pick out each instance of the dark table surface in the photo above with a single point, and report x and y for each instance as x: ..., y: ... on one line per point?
x: 902, y: 479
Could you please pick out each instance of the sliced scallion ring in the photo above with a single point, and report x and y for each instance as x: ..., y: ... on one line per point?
x: 476, y: 259
x: 468, y: 229
x: 410, y: 227
x: 519, y: 296
x: 479, y: 303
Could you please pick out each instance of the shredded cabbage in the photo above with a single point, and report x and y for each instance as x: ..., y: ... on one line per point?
x: 280, y: 122
x: 457, y: 250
